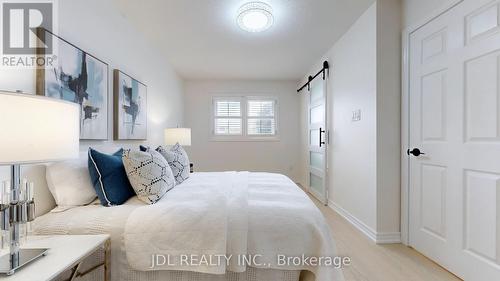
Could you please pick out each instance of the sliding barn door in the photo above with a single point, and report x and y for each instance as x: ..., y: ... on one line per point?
x: 455, y: 140
x: 317, y: 140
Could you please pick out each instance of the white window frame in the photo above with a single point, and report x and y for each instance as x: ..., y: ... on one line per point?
x: 244, y: 119
x: 214, y: 115
x: 247, y: 100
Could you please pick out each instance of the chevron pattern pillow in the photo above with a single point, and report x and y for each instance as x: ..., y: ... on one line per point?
x: 149, y: 174
x: 178, y: 160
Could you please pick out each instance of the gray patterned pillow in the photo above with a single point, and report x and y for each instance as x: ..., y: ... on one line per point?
x: 148, y: 173
x: 178, y: 160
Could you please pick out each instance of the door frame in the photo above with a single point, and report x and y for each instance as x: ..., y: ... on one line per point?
x: 405, y: 115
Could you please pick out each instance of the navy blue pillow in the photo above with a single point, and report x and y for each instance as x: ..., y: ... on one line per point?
x: 109, y: 178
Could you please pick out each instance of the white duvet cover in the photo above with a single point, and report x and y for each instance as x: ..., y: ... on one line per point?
x: 258, y: 216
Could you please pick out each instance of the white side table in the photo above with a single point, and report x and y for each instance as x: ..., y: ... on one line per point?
x: 66, y: 253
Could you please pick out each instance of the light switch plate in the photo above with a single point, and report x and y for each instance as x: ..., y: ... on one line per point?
x: 356, y: 115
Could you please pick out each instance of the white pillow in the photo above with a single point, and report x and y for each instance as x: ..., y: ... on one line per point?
x: 69, y: 182
x: 178, y: 160
x: 149, y: 174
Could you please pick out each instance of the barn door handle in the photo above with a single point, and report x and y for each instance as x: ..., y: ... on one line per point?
x: 321, y: 142
x: 415, y: 152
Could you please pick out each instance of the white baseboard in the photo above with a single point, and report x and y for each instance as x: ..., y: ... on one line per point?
x: 388, y: 238
x: 361, y: 226
x: 379, y: 238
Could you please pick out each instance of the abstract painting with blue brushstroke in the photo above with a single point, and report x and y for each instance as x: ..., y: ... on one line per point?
x: 131, y: 108
x: 83, y: 79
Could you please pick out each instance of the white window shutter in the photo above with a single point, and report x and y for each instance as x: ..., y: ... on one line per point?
x: 228, y: 108
x: 242, y: 116
x: 227, y: 126
x: 261, y: 118
x: 263, y: 108
x: 228, y: 119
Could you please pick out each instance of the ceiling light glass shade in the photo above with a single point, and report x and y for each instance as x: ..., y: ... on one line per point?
x: 37, y: 129
x: 255, y: 17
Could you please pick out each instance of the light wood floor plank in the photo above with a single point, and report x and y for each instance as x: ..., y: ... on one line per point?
x: 371, y: 262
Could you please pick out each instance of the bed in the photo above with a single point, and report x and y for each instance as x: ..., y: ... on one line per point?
x: 237, y: 214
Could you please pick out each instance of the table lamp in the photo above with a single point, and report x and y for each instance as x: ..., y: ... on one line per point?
x: 178, y: 135
x: 34, y: 129
x: 181, y: 136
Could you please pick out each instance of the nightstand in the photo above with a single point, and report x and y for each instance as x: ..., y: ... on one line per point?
x: 65, y: 256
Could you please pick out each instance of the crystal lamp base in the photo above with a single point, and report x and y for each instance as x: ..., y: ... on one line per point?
x: 25, y: 256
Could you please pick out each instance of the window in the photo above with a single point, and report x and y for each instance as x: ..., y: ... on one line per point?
x: 228, y: 118
x: 260, y: 121
x: 241, y: 118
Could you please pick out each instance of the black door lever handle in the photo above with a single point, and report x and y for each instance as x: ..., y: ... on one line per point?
x: 415, y: 152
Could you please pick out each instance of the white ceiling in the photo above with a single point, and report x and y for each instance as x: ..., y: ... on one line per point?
x: 202, y: 40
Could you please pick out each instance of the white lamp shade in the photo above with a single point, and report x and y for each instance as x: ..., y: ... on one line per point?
x: 37, y: 129
x: 178, y: 135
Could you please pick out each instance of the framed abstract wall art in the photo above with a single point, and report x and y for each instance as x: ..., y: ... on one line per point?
x: 80, y: 78
x: 130, y: 108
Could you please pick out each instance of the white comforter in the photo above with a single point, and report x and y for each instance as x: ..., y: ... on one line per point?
x: 232, y: 214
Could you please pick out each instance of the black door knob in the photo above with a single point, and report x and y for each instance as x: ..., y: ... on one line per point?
x: 415, y: 152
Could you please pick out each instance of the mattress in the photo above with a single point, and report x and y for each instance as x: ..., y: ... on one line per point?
x: 96, y: 219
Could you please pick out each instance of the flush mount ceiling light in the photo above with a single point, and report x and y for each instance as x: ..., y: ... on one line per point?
x: 255, y: 17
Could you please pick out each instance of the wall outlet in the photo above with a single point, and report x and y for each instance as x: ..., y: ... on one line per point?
x: 356, y: 115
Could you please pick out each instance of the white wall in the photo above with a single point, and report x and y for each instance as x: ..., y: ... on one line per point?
x: 364, y: 156
x: 388, y: 116
x: 275, y: 156
x: 97, y: 27
x: 416, y: 10
x: 352, y: 85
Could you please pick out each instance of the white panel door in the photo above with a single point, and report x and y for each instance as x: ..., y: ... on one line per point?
x: 455, y: 121
x: 317, y: 140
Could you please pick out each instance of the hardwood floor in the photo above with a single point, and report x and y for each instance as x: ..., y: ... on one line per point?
x: 371, y: 262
